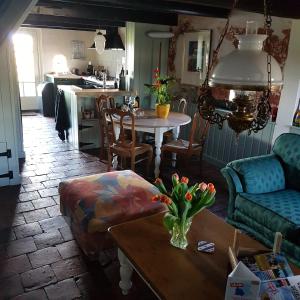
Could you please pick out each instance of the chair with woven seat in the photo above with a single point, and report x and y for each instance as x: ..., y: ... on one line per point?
x: 103, y: 102
x: 194, y: 146
x: 125, y: 146
x: 177, y: 106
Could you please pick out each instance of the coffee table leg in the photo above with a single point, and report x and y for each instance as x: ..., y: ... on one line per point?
x: 125, y: 273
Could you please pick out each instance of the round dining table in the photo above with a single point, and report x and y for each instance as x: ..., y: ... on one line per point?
x: 149, y: 122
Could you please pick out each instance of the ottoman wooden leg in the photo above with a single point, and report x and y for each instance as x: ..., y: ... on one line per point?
x: 125, y: 273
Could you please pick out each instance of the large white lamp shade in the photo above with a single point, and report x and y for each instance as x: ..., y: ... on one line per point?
x: 246, y: 67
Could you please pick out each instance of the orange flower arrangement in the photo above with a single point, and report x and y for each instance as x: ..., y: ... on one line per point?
x: 183, y: 204
x: 160, y: 87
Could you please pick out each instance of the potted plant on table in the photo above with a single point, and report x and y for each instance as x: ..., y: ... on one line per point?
x: 183, y: 204
x: 160, y: 89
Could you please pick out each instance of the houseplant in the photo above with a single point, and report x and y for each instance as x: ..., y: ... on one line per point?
x: 183, y: 204
x: 160, y: 89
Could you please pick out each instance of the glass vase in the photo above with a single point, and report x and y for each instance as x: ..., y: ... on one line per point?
x: 179, y: 233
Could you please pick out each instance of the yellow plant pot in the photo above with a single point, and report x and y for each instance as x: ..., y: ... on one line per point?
x: 162, y: 110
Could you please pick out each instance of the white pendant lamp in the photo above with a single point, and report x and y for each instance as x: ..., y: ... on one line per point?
x: 100, y: 42
x: 245, y: 68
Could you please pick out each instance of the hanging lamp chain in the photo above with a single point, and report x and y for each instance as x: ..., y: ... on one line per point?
x: 268, y: 24
x: 220, y: 42
x: 206, y: 101
x: 264, y: 107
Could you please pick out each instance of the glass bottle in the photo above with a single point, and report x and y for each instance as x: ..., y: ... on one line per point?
x: 296, y: 120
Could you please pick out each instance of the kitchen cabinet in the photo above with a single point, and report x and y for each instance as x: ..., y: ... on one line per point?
x: 85, y: 132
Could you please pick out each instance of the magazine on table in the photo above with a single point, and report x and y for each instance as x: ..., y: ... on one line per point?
x: 274, y: 279
x: 268, y: 266
x: 281, y: 289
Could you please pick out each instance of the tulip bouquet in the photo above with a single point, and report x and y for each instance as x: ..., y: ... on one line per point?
x: 183, y: 204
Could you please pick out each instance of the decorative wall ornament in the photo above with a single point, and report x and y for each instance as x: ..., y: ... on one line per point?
x: 182, y: 28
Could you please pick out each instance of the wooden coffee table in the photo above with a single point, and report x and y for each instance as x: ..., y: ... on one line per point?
x: 173, y: 273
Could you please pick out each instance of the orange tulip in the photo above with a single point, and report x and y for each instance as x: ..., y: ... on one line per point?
x: 175, y: 177
x: 155, y: 198
x: 158, y: 181
x: 211, y: 188
x: 202, y: 186
x: 165, y: 199
x: 184, y: 180
x: 188, y: 196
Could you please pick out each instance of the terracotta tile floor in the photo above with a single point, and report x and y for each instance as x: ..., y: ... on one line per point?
x: 39, y: 258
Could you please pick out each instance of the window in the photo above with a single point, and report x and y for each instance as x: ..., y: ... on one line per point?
x: 24, y: 52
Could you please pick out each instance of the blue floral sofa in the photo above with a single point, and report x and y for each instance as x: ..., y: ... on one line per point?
x: 264, y: 194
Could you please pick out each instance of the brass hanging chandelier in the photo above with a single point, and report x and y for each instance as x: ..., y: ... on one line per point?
x: 246, y: 70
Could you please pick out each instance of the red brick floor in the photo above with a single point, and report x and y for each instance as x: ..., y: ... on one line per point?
x: 39, y: 258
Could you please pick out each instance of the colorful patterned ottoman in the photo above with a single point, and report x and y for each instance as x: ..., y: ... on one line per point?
x: 96, y: 202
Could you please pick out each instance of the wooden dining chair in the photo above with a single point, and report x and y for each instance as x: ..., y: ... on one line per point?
x: 177, y: 106
x: 125, y: 146
x: 195, y: 144
x: 103, y: 102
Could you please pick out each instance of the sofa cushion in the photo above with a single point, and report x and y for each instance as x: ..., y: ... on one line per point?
x: 287, y: 147
x: 278, y: 211
x: 261, y: 174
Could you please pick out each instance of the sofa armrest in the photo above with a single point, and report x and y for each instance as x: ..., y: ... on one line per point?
x: 234, y: 187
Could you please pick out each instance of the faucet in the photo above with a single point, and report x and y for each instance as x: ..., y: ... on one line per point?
x: 104, y: 75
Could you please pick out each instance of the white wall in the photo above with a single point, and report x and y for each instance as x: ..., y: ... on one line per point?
x: 291, y: 86
x: 57, y: 41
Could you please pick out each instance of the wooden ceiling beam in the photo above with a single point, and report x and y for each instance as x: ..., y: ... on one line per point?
x: 148, y: 6
x: 81, y: 10
x: 61, y: 22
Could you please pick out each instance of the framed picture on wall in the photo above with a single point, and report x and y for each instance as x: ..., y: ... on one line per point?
x: 78, y: 50
x: 196, y: 51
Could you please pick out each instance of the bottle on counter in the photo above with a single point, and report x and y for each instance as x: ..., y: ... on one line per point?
x: 122, y: 82
x: 136, y: 103
x: 116, y: 83
x: 122, y: 73
x: 296, y: 120
x: 90, y: 69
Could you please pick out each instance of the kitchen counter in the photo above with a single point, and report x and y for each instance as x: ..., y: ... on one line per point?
x: 97, y: 92
x: 93, y: 92
x: 84, y: 131
x: 63, y: 76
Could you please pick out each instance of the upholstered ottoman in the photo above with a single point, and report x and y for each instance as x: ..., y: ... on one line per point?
x: 94, y: 203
